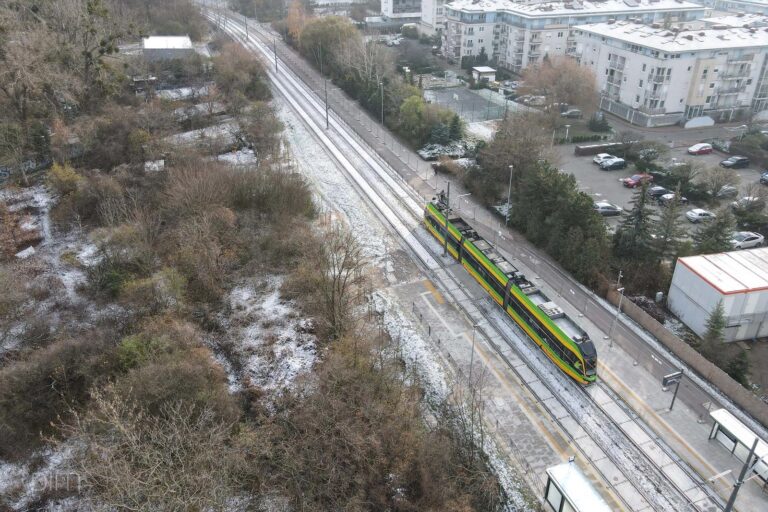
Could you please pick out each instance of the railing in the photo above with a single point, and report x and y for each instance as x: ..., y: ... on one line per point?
x: 616, y: 65
x: 654, y: 95
x: 613, y: 80
x: 733, y: 75
x: 731, y: 90
x: 651, y: 111
x: 741, y: 58
x: 658, y: 79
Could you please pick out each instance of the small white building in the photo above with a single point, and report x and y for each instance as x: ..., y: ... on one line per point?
x: 166, y: 47
x: 483, y: 74
x: 653, y: 76
x: 738, y: 278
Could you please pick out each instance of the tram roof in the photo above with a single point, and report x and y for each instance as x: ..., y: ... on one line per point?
x: 740, y: 431
x: 577, y: 488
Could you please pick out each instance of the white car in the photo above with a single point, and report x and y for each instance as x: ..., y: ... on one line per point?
x: 746, y: 240
x: 698, y: 215
x: 602, y: 157
x: 746, y: 203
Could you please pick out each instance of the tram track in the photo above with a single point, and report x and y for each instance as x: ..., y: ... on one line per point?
x: 400, y: 206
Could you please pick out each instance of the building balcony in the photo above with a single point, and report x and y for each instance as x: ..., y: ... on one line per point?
x: 741, y: 58
x: 731, y: 90
x: 616, y: 65
x: 651, y: 111
x: 658, y: 79
x: 614, y: 80
x: 734, y: 75
x: 654, y: 95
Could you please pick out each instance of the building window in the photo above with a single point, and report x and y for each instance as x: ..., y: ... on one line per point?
x: 689, y: 68
x: 708, y: 100
x: 643, y: 67
x: 559, y: 34
x: 637, y: 99
x: 640, y: 84
x: 712, y: 85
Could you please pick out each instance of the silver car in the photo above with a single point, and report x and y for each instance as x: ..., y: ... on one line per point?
x: 697, y: 215
x: 746, y: 240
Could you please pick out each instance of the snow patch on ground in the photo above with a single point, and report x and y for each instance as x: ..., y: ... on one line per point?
x: 183, y: 93
x: 334, y: 192
x: 22, y: 483
x: 484, y: 130
x: 272, y: 344
x: 239, y: 157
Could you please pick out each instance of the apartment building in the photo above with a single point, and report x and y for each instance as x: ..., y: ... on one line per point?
x: 432, y: 16
x: 652, y: 76
x: 515, y: 35
x: 745, y: 6
x: 401, y: 10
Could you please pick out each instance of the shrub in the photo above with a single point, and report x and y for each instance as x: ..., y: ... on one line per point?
x: 63, y: 179
x: 47, y: 384
x: 164, y: 289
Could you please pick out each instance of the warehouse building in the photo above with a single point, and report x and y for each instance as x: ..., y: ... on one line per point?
x: 166, y: 47
x: 738, y: 278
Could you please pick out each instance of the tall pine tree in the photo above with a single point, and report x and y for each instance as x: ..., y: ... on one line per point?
x: 633, y: 240
x: 715, y: 236
x: 667, y: 230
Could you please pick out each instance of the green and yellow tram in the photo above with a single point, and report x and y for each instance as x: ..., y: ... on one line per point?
x: 559, y: 337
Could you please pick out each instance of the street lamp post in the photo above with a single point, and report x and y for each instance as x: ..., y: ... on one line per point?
x: 459, y: 197
x: 381, y: 85
x: 616, y: 318
x: 509, y: 195
x: 472, y: 354
x: 567, y: 128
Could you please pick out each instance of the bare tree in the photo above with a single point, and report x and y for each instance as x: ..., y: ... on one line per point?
x: 715, y: 178
x: 182, y: 459
x: 339, y: 278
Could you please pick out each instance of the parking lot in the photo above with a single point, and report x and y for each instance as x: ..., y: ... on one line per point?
x: 606, y: 185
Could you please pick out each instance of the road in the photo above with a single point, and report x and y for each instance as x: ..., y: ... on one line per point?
x: 395, y: 155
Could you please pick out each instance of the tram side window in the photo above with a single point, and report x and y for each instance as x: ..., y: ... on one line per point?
x: 440, y: 229
x: 554, y: 496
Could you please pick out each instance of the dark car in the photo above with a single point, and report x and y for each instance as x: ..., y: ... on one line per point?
x: 764, y: 178
x: 735, y: 162
x: 666, y: 199
x: 611, y: 165
x: 657, y: 192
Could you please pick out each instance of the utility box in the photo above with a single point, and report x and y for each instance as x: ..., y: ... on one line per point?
x: 738, y: 278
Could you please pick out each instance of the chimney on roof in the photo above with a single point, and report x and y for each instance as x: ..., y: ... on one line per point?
x: 688, y: 37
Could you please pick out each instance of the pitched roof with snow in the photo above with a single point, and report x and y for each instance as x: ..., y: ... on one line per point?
x: 731, y: 272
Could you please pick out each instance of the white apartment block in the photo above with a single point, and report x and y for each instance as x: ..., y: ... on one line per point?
x: 652, y: 76
x: 405, y: 10
x: 432, y: 16
x: 745, y: 6
x: 515, y: 34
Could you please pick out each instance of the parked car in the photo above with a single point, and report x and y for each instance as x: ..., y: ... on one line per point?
x: 764, y: 178
x: 613, y: 164
x: 667, y: 198
x: 572, y: 113
x: 700, y: 149
x: 656, y: 192
x: 727, y: 191
x: 746, y: 240
x: 636, y: 180
x: 607, y: 209
x: 698, y: 215
x: 601, y: 157
x: 747, y: 202
x: 735, y: 162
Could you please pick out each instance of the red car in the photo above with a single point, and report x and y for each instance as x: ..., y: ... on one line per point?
x: 636, y: 180
x: 700, y: 149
